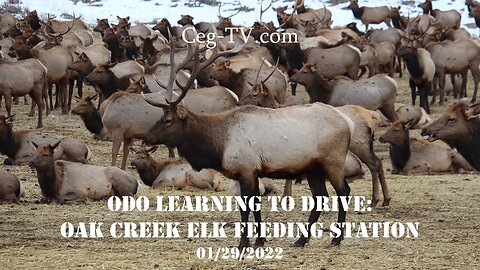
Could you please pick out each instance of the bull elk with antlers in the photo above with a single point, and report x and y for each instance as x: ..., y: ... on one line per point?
x: 250, y: 142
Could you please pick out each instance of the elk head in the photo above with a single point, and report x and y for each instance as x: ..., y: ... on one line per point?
x: 142, y: 159
x: 397, y: 133
x: 169, y: 130
x: 138, y: 86
x: 100, y: 74
x: 259, y: 93
x: 81, y: 64
x: 42, y: 159
x: 102, y: 25
x: 185, y: 20
x: 84, y: 105
x: 451, y: 126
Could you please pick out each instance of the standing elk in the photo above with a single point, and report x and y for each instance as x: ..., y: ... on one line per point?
x: 207, y: 141
x: 377, y: 92
x: 11, y: 189
x: 411, y: 156
x: 459, y: 131
x: 370, y: 15
x: 16, y: 144
x: 332, y: 62
x: 172, y: 173
x: 422, y: 71
x: 64, y: 181
x: 448, y: 18
x: 24, y: 77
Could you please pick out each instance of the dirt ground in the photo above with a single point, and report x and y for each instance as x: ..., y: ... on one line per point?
x: 444, y: 205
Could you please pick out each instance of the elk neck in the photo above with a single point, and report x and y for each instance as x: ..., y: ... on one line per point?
x: 203, y: 144
x: 469, y: 145
x: 357, y: 11
x: 47, y: 179
x: 93, y: 121
x: 400, y: 154
x: 320, y: 90
x: 10, y: 141
x: 413, y: 65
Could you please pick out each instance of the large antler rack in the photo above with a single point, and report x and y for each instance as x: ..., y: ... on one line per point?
x: 194, y: 52
x: 220, y: 13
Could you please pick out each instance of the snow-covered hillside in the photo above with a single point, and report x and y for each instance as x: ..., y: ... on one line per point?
x: 150, y: 10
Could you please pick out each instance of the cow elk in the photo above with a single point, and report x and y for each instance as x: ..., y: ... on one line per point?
x: 412, y: 156
x: 172, y: 173
x: 16, y: 144
x: 11, y: 189
x: 449, y: 18
x: 370, y: 15
x: 64, y: 181
x: 459, y: 131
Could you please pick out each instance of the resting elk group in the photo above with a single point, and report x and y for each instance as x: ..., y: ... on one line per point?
x: 243, y: 112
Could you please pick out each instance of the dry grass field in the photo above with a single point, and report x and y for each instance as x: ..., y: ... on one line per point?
x: 444, y: 205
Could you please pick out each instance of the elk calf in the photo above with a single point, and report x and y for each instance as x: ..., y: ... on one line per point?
x: 411, y: 156
x: 64, y: 181
x: 11, y: 189
x: 172, y: 173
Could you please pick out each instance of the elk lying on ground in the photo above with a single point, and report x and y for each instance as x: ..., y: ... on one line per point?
x: 411, y: 156
x: 265, y: 187
x: 459, y: 131
x: 377, y: 92
x: 172, y: 173
x: 11, y: 189
x: 207, y: 141
x: 422, y: 71
x: 370, y: 15
x: 448, y: 18
x: 415, y: 116
x: 64, y: 181
x: 16, y: 145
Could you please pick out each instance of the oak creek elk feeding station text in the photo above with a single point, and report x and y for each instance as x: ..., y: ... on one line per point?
x: 159, y: 229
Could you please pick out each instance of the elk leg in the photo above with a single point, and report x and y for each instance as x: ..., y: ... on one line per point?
x: 248, y: 185
x: 71, y: 83
x: 442, y: 88
x: 171, y: 152
x: 37, y: 99
x: 316, y: 181
x: 25, y: 101
x: 293, y: 85
x: 64, y: 95
x: 464, y: 84
x: 414, y: 91
x: 287, y: 189
x: 476, y: 76
x: 126, y: 145
x: 8, y: 101
x: 117, y: 141
x: 399, y: 60
x: 427, y: 86
x: 15, y: 100
x: 80, y: 87
x: 50, y: 94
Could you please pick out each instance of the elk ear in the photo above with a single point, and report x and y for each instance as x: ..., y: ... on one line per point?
x: 83, y: 56
x: 128, y: 18
x: 152, y: 149
x: 55, y: 145
x: 132, y: 149
x: 142, y: 81
x: 182, y: 112
x: 314, y: 68
x: 226, y: 63
x: 118, y: 18
x: 154, y: 38
x: 34, y: 144
x: 410, y: 123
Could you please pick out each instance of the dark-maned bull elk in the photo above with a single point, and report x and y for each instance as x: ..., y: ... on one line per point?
x: 239, y: 144
x: 64, y: 181
x: 11, y: 189
x: 412, y: 156
x: 459, y: 131
x: 370, y: 15
x: 172, y: 173
x: 16, y: 144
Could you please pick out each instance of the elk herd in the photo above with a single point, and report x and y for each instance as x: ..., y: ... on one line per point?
x: 227, y: 109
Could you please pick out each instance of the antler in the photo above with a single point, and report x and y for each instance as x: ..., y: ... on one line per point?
x: 68, y: 30
x: 194, y: 51
x: 263, y: 10
x: 271, y: 73
x: 291, y: 15
x: 220, y: 13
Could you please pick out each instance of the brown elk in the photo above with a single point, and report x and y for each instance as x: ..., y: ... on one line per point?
x: 455, y: 57
x: 385, y: 57
x: 398, y: 21
x: 422, y: 71
x: 64, y: 181
x: 172, y: 173
x: 16, y: 144
x: 370, y: 15
x: 11, y: 189
x: 21, y: 78
x: 471, y: 4
x: 415, y: 116
x: 332, y: 62
x: 475, y: 13
x: 411, y: 156
x: 448, y: 18
x: 206, y: 141
x: 102, y: 25
x: 459, y: 131
x: 377, y: 92
x: 91, y: 117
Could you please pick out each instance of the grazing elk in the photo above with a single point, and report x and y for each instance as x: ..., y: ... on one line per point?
x: 377, y: 92
x: 11, y: 189
x: 448, y: 18
x: 370, y: 15
x: 422, y: 71
x: 64, y: 181
x: 207, y: 141
x: 459, y: 131
x: 172, y: 173
x: 16, y: 144
x: 411, y: 156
